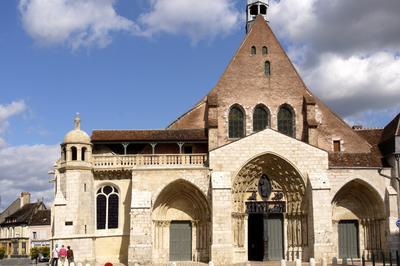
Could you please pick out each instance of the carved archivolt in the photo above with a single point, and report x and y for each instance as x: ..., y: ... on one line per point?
x: 284, y: 177
x: 287, y: 185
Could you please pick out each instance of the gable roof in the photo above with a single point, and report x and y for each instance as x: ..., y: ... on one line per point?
x: 244, y: 82
x: 13, y: 207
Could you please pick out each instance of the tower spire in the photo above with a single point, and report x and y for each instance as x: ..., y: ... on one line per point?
x: 255, y: 8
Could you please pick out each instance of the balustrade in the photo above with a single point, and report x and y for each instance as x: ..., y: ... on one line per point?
x: 145, y: 160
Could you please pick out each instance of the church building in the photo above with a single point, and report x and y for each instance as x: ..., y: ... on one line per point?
x: 260, y: 169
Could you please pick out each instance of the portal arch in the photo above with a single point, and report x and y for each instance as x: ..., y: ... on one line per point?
x: 181, y: 202
x: 359, y: 205
x: 287, y: 198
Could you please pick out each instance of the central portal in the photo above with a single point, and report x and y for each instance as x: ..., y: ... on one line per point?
x: 265, y: 237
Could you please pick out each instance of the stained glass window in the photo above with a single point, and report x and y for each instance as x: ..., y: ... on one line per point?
x: 236, y: 123
x: 107, y: 207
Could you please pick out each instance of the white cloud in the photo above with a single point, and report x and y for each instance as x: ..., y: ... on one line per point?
x: 24, y: 168
x: 347, y: 51
x: 357, y: 84
x: 90, y: 23
x: 75, y: 22
x: 194, y: 18
x: 6, y: 112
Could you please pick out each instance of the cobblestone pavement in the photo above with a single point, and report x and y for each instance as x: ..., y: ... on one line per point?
x: 19, y: 262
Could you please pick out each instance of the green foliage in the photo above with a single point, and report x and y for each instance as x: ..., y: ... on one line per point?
x: 2, y: 252
x: 35, y: 251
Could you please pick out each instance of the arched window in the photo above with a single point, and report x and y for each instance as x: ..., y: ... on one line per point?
x: 64, y: 154
x: 253, y: 50
x: 263, y: 10
x: 107, y: 206
x: 267, y: 68
x: 264, y: 50
x: 83, y: 153
x: 254, y: 10
x: 236, y: 123
x: 74, y: 153
x: 260, y: 118
x: 286, y: 120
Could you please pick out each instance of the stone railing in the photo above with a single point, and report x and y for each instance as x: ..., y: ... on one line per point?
x: 104, y: 162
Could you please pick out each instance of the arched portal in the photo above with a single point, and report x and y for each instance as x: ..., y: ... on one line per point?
x: 181, y: 220
x: 359, y: 220
x: 281, y: 213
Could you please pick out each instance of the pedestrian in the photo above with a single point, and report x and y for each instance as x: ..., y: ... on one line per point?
x: 54, y: 256
x: 70, y: 255
x: 62, y: 255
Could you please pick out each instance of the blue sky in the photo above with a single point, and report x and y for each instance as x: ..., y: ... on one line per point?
x: 132, y: 83
x: 141, y: 64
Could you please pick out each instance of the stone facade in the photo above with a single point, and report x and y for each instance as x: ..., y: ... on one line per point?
x: 133, y: 197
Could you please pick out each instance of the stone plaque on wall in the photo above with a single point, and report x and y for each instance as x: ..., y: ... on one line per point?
x: 141, y: 200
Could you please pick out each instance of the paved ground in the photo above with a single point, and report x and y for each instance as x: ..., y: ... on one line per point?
x: 18, y: 262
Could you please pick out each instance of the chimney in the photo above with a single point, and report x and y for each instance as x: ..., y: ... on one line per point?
x: 25, y: 198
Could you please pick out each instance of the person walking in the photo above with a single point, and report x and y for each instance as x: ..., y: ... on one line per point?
x: 70, y: 255
x: 62, y: 255
x: 54, y: 256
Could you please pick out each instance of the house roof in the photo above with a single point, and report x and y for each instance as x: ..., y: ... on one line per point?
x: 354, y: 160
x: 14, y: 206
x: 22, y: 215
x: 41, y: 217
x: 150, y: 135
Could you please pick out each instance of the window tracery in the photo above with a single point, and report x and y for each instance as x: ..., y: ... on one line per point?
x: 107, y: 206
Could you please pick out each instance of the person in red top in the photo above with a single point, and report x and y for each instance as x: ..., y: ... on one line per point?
x: 62, y: 255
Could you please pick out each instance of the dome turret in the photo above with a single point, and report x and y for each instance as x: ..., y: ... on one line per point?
x: 77, y: 135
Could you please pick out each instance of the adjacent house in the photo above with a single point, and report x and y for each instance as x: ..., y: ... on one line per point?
x: 24, y: 227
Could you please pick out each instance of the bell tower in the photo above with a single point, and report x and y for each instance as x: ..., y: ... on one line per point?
x: 255, y: 8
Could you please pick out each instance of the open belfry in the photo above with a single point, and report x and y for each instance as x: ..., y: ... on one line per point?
x: 258, y: 170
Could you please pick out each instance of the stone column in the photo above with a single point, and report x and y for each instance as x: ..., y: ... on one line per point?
x: 140, y: 246
x: 321, y: 242
x: 221, y: 248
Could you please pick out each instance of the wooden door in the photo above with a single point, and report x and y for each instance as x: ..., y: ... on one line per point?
x: 180, y: 241
x: 348, y: 239
x: 275, y: 236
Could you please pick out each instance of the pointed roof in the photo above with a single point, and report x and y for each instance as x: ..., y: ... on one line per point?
x: 244, y: 82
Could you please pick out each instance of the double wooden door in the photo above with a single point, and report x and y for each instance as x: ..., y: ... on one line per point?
x: 265, y: 237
